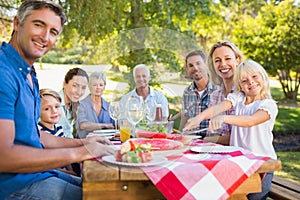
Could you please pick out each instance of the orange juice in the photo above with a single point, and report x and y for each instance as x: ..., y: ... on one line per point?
x: 124, y: 133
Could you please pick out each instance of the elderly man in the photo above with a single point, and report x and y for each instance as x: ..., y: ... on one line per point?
x: 141, y: 75
x: 196, y: 95
x: 29, y: 157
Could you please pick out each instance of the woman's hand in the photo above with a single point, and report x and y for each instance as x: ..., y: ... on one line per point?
x: 106, y: 126
x: 192, y: 123
x: 216, y: 123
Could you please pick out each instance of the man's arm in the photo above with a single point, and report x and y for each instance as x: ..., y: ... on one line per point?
x: 25, y: 159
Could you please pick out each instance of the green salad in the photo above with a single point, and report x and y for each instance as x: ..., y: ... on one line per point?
x: 153, y: 127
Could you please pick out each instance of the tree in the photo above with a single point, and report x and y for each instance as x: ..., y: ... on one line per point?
x: 272, y: 38
x: 130, y: 32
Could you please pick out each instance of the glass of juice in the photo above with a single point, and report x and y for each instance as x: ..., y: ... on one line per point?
x: 124, y: 130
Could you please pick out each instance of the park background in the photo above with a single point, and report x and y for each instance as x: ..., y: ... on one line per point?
x: 115, y: 35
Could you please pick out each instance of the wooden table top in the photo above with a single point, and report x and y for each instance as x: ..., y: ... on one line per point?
x: 94, y: 171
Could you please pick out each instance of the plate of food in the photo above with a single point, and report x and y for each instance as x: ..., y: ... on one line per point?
x: 134, y: 154
x: 215, y: 149
x: 155, y: 161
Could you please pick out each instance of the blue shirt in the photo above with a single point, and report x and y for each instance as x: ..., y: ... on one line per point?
x: 86, y: 113
x: 19, y: 102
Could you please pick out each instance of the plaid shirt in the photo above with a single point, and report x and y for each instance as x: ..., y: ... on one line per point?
x: 217, y: 97
x: 194, y: 104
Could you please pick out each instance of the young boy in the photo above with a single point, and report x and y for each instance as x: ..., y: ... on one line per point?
x: 50, y: 114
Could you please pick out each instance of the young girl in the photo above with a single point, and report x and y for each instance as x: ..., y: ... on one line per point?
x: 50, y: 114
x: 254, y: 118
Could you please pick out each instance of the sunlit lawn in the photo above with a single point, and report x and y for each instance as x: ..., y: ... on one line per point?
x: 290, y: 165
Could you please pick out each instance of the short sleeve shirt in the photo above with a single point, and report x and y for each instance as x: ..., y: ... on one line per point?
x: 258, y: 138
x: 19, y: 102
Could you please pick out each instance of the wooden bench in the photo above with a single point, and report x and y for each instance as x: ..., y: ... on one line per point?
x: 283, y: 189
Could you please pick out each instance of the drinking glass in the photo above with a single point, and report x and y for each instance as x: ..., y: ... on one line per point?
x: 134, y: 111
x: 115, y: 112
x: 150, y: 109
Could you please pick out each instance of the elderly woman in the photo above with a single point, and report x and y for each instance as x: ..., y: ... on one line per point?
x: 93, y: 111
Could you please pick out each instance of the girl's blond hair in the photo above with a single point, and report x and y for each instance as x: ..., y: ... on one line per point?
x: 250, y: 67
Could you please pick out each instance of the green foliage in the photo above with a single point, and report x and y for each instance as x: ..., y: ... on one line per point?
x: 272, y: 38
x: 134, y: 31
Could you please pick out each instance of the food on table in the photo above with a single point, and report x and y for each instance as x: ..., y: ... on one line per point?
x: 159, y: 144
x: 134, y: 153
x: 160, y: 127
x: 185, y: 139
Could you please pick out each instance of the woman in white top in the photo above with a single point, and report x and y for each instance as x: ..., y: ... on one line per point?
x: 254, y: 119
x: 74, y: 86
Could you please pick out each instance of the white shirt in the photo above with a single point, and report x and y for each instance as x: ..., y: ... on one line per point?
x: 158, y: 96
x: 258, y: 139
x: 63, y: 121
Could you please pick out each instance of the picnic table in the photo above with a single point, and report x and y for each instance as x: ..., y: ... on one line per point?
x: 109, y: 181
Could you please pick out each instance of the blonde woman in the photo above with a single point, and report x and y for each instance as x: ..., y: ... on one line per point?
x: 222, y: 61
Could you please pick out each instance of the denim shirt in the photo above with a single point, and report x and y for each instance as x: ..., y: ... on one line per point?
x: 19, y: 102
x: 86, y: 113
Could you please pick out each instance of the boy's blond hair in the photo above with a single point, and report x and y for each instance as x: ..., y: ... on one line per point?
x: 47, y: 91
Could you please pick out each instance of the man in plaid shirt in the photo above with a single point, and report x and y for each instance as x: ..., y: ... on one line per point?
x: 196, y: 96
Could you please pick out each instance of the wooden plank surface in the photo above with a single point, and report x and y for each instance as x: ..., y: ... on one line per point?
x: 125, y: 190
x: 270, y: 166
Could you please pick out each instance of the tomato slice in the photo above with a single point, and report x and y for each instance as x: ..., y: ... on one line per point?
x: 132, y: 145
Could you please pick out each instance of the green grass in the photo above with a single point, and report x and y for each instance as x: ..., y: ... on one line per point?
x: 287, y: 120
x: 290, y: 165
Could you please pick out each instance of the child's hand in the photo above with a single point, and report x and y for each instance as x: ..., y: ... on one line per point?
x: 216, y: 122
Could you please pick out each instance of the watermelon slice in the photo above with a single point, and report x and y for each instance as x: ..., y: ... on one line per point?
x: 159, y: 144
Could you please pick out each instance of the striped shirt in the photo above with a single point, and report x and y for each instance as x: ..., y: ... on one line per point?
x: 58, y: 130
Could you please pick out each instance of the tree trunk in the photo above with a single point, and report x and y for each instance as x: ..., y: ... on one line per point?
x: 289, y: 85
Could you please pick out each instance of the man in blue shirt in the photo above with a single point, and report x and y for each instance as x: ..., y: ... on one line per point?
x: 29, y: 157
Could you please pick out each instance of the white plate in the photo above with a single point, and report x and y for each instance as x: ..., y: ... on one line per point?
x: 215, y: 149
x: 156, y: 161
x: 105, y: 134
x: 105, y: 131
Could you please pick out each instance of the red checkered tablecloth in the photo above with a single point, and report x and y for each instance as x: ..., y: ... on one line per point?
x: 203, y: 176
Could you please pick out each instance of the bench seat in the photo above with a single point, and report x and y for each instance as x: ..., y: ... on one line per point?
x: 283, y: 189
